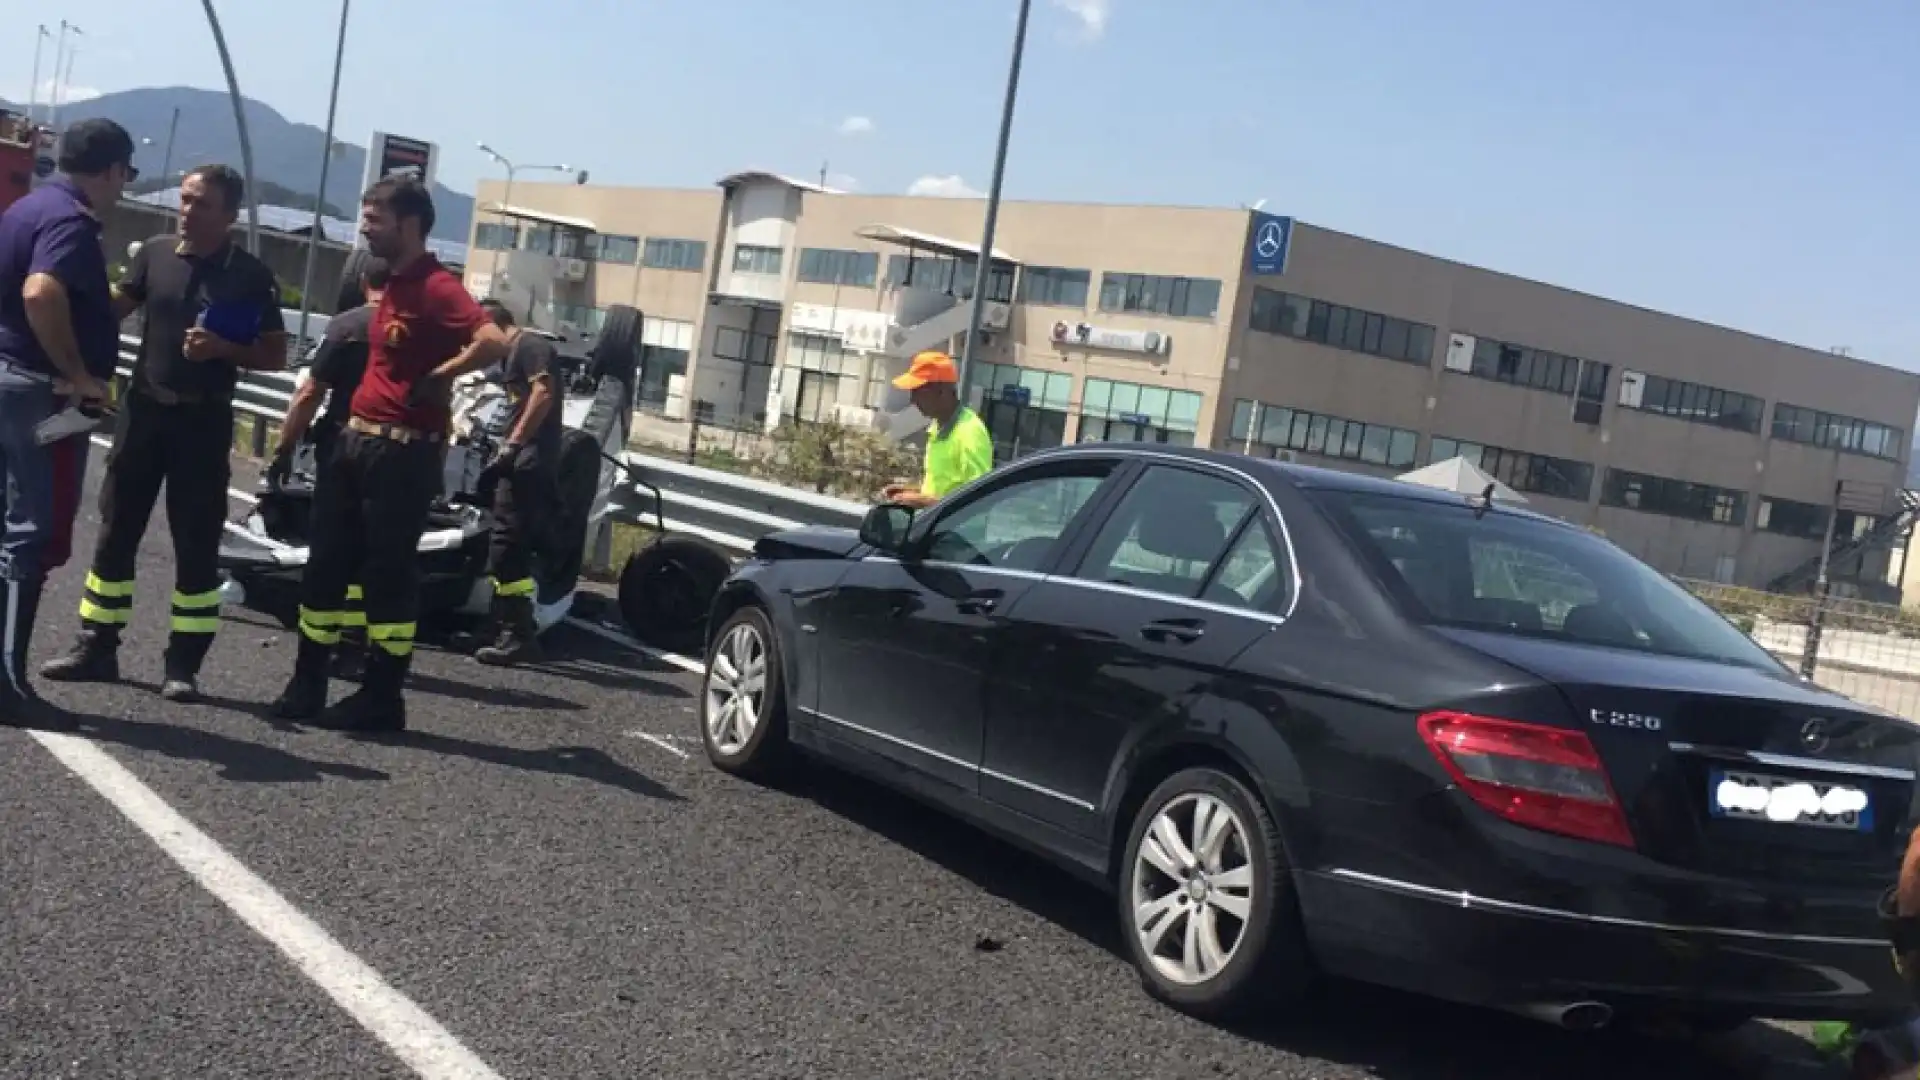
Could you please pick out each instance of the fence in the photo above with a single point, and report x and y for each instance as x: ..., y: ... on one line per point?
x: 1870, y: 652
x: 1867, y: 651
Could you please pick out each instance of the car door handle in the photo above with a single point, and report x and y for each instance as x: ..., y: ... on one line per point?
x: 1182, y: 631
x: 980, y: 603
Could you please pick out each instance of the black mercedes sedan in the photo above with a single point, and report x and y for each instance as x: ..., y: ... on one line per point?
x: 1302, y: 722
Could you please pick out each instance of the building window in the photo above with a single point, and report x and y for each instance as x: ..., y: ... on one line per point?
x: 1025, y: 409
x: 496, y: 236
x: 1130, y: 412
x: 1538, y: 474
x: 954, y: 277
x: 1673, y: 498
x: 1340, y: 327
x: 540, y: 240
x: 1523, y: 365
x: 754, y: 259
x: 624, y: 250
x: 1154, y: 294
x: 1265, y: 430
x: 586, y: 317
x: 752, y: 344
x: 1789, y: 518
x: 1055, y: 286
x: 663, y: 253
x: 1794, y: 423
x: 1695, y: 402
x: 828, y: 266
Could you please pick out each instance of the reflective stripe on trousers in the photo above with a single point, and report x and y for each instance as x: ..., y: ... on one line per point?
x: 107, y: 603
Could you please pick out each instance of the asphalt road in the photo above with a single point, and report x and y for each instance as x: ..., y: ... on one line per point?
x: 547, y: 878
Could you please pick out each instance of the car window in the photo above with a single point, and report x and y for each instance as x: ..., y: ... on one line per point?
x: 1513, y: 573
x: 1014, y: 527
x: 1168, y: 532
x: 1252, y: 575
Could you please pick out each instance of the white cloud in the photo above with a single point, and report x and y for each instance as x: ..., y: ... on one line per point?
x: 1093, y: 14
x: 943, y: 187
x: 856, y: 125
x: 68, y: 94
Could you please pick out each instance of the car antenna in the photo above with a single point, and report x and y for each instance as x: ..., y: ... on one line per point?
x: 1482, y: 502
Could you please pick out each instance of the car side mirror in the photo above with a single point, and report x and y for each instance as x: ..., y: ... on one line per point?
x: 885, y: 527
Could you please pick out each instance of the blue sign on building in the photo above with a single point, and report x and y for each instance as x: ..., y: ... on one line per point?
x: 1272, y: 239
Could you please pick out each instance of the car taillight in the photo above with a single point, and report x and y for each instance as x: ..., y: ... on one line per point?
x: 1542, y: 777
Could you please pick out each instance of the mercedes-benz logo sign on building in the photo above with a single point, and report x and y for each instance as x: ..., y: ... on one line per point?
x: 1272, y: 237
x: 1813, y: 735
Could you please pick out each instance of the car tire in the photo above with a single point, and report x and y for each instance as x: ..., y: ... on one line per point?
x: 744, y: 654
x: 1238, y: 897
x: 667, y: 589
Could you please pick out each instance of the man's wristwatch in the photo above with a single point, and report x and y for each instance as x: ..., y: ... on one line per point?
x: 1903, y: 931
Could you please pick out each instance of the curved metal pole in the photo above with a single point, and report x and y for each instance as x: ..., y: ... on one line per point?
x: 239, y: 118
x: 320, y: 200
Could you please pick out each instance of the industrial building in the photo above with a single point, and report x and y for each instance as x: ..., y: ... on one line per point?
x: 1709, y: 452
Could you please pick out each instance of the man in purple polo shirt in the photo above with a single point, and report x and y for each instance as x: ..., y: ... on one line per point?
x: 59, y: 339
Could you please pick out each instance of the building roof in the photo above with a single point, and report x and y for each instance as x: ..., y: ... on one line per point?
x: 292, y: 222
x: 542, y: 216
x: 756, y: 175
x: 914, y: 238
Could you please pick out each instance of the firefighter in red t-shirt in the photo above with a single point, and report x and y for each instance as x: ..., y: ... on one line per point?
x: 383, y: 471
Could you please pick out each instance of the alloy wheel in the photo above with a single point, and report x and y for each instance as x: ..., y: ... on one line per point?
x: 736, y: 688
x: 1193, y: 888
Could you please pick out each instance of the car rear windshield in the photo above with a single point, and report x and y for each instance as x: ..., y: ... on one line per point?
x: 1512, y: 574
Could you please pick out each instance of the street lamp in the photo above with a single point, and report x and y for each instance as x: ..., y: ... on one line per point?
x: 320, y: 197
x: 240, y: 120
x: 983, y: 267
x: 507, y: 198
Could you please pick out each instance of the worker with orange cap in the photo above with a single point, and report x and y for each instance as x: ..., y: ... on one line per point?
x: 959, y: 448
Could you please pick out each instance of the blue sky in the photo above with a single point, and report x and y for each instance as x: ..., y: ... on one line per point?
x: 1749, y: 162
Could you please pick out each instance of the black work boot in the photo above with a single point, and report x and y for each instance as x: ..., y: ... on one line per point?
x: 379, y: 705
x: 20, y: 706
x: 518, y: 641
x: 185, y: 654
x: 305, y: 696
x: 94, y: 658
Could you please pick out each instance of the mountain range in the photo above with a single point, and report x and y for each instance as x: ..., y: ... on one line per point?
x: 286, y: 154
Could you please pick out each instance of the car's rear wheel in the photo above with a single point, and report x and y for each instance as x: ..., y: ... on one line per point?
x: 1206, y: 901
x: 743, y: 714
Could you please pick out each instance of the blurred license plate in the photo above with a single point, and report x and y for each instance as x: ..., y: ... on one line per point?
x: 1782, y: 800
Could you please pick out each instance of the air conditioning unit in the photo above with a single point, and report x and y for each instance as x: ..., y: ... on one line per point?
x: 573, y: 269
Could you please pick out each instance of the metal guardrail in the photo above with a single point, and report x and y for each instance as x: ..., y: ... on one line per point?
x: 721, y: 507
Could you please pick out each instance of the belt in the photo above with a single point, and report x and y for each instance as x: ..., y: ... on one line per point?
x: 397, y: 432
x: 172, y: 397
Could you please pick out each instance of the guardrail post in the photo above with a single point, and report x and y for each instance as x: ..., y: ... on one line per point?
x: 1810, y: 656
x: 693, y: 441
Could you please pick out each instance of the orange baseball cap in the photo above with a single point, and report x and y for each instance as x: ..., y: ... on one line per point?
x: 928, y: 367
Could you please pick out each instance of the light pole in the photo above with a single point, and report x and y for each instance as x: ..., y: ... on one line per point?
x: 984, y: 267
x: 320, y: 199
x: 33, y: 92
x: 240, y: 120
x: 59, y: 57
x: 507, y: 198
x: 166, y: 162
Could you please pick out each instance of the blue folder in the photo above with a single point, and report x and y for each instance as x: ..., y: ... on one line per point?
x: 238, y: 323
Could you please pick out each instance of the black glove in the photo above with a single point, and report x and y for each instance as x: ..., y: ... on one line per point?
x: 430, y: 389
x: 1903, y: 933
x: 279, y: 469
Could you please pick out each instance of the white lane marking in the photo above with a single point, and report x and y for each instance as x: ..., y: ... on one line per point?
x: 406, y: 1029
x: 662, y: 744
x: 682, y: 662
x: 241, y: 496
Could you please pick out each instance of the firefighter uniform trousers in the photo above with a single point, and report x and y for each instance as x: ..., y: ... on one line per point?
x: 370, y: 507
x: 526, y: 505
x: 184, y: 449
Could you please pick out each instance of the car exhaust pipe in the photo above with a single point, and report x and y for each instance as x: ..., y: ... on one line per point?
x: 1577, y: 1016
